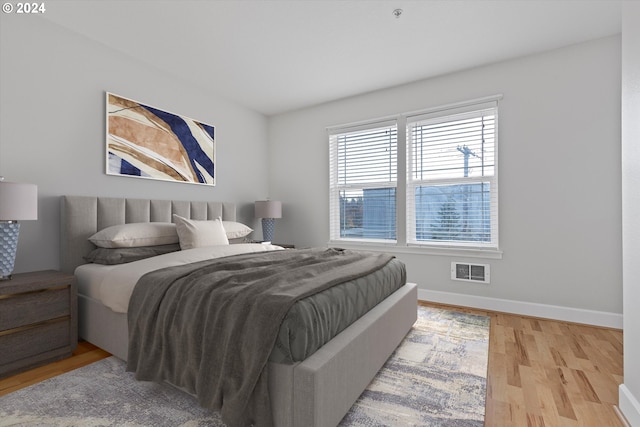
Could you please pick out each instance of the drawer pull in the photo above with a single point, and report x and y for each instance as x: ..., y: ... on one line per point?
x: 19, y: 294
x: 35, y: 325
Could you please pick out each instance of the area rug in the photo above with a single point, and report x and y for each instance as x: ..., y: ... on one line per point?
x: 436, y: 377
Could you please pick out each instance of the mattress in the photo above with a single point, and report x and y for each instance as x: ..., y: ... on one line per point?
x: 113, y: 284
x: 309, y: 324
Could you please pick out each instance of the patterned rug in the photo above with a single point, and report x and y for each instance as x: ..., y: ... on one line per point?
x: 436, y: 377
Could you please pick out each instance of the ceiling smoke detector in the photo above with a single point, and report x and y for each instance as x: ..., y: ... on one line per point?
x: 397, y: 13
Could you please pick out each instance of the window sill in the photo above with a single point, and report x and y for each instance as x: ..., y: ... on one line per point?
x: 418, y: 249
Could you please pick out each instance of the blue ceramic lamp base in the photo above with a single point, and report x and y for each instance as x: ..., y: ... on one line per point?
x: 268, y: 225
x: 8, y: 245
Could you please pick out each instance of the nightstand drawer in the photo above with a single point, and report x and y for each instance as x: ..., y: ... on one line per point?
x: 33, y: 307
x: 38, y: 319
x: 25, y: 342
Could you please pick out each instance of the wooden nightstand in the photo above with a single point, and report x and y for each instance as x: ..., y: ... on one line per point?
x: 38, y: 320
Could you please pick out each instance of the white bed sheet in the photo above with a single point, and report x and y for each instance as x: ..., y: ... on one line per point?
x: 113, y: 284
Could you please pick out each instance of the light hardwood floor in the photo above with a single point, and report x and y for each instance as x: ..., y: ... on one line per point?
x: 541, y: 372
x: 550, y: 373
x: 85, y: 354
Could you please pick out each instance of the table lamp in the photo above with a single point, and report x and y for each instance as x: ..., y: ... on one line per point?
x: 17, y: 202
x: 268, y: 210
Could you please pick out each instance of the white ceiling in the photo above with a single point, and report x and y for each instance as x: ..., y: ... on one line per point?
x: 276, y: 56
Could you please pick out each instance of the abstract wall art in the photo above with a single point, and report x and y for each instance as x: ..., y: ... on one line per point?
x: 146, y: 142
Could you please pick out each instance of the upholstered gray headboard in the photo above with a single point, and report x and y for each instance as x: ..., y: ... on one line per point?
x: 82, y: 216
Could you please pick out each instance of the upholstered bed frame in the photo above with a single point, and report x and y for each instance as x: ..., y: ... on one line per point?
x: 315, y: 392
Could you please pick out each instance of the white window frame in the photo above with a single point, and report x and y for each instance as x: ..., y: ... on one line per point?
x: 446, y: 115
x: 335, y: 187
x: 405, y: 242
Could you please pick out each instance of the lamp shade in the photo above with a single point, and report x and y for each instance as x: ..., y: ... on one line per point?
x: 268, y: 209
x: 18, y: 201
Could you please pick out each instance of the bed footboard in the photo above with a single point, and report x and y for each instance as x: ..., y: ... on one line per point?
x: 320, y: 390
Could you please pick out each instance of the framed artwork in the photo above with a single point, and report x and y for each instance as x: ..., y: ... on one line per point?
x: 147, y: 142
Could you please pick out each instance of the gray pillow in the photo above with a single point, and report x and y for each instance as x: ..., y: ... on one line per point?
x: 112, y: 256
x: 135, y: 235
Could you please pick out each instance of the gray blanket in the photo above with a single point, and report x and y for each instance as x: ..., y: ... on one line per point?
x: 209, y: 327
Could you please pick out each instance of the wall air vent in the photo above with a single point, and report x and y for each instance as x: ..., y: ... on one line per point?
x: 470, y: 272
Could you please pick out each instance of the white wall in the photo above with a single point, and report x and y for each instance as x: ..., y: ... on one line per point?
x: 52, y: 130
x: 559, y: 178
x: 630, y: 390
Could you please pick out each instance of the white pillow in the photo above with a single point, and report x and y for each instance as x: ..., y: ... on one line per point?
x: 195, y: 234
x: 236, y: 230
x: 135, y: 235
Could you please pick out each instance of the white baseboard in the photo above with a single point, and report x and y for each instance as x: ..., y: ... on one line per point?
x: 629, y: 406
x: 567, y: 314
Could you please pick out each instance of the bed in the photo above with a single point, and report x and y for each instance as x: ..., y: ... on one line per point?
x: 316, y: 391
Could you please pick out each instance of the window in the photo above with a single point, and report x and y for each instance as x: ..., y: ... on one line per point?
x: 451, y: 179
x: 449, y: 197
x: 363, y: 182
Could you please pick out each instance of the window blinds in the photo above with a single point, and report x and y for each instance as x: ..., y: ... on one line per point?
x: 448, y: 171
x: 451, y: 177
x: 364, y: 173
